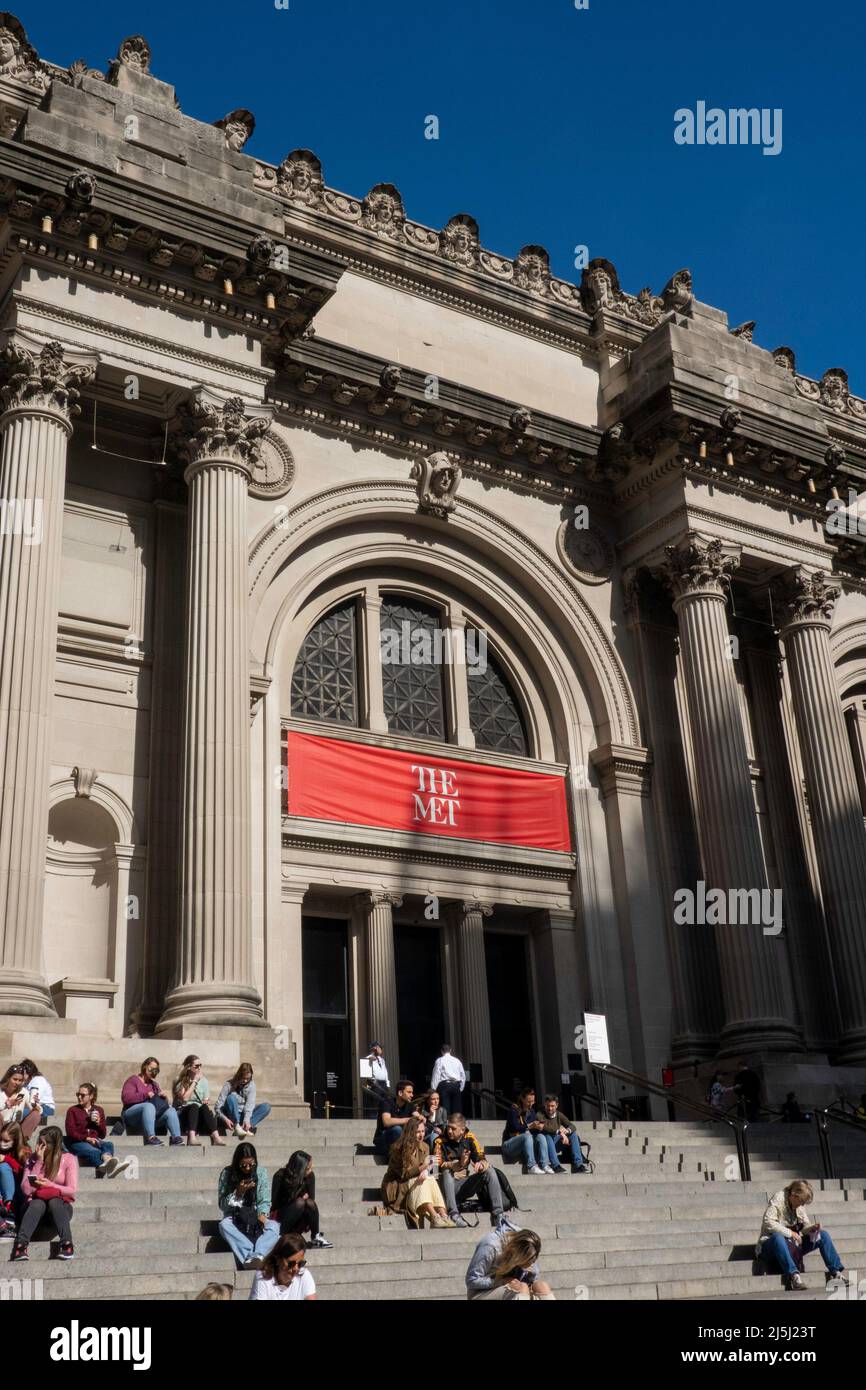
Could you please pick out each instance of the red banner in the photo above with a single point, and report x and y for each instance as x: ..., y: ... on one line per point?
x: 358, y: 784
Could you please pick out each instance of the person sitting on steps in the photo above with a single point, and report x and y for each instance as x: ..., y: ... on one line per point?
x: 191, y: 1092
x: 14, y: 1153
x: 504, y: 1266
x: 435, y: 1117
x: 18, y: 1105
x: 236, y: 1107
x: 293, y: 1200
x: 407, y: 1187
x: 284, y: 1277
x: 85, y: 1135
x: 35, y: 1081
x: 394, y: 1111
x: 563, y: 1140
x: 244, y: 1196
x: 145, y: 1108
x: 460, y: 1160
x: 523, y: 1140
x: 50, y: 1182
x: 788, y: 1233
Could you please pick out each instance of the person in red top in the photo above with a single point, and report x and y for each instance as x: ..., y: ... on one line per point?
x: 14, y: 1152
x: 50, y: 1181
x: 85, y: 1135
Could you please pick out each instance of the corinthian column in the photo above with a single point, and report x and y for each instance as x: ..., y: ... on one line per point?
x: 808, y: 600
x: 477, y: 1040
x: 38, y: 401
x: 213, y: 978
x: 753, y: 967
x: 382, y: 975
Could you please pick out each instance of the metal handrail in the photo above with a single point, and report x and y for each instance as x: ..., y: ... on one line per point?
x: 706, y: 1112
x: 825, y: 1147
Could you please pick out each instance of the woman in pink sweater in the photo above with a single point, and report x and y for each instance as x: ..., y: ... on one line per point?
x: 50, y: 1182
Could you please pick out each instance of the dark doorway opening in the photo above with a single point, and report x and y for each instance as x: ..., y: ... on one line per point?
x: 510, y: 1012
x: 327, y: 1049
x: 420, y: 1012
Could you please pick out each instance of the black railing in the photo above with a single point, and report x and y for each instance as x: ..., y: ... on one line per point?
x: 835, y: 1114
x: 706, y: 1112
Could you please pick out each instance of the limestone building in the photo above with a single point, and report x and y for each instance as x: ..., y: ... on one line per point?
x: 395, y: 639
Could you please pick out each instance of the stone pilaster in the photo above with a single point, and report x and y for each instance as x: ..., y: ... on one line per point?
x: 807, y: 600
x: 382, y: 975
x: 476, y: 1040
x: 41, y: 386
x: 753, y: 966
x: 213, y: 980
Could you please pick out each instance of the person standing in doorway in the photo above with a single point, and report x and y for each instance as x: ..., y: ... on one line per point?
x: 449, y: 1079
x: 747, y: 1086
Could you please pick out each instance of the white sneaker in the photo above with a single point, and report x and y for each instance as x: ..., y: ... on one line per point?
x: 120, y: 1166
x: 547, y: 1169
x: 535, y: 1170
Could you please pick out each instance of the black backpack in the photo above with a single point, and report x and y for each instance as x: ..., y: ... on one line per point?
x: 474, y: 1194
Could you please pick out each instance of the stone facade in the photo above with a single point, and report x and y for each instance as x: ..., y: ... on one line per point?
x: 236, y: 401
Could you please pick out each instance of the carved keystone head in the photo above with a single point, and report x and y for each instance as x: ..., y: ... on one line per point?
x: 237, y: 127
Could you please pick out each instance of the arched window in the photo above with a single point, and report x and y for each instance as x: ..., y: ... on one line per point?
x: 494, y: 713
x: 325, y: 678
x: 412, y: 646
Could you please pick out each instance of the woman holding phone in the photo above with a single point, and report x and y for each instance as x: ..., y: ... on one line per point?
x: 50, y: 1183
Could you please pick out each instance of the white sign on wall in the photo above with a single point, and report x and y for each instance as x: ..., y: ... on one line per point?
x: 597, y: 1046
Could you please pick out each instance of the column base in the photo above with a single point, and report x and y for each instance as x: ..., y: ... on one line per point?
x: 851, y: 1050
x: 755, y: 1035
x: 214, y: 1005
x: 687, y: 1048
x: 25, y: 994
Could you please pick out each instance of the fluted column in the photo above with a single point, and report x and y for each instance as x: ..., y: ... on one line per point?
x: 382, y: 975
x: 213, y: 978
x: 38, y: 401
x: 807, y: 602
x: 477, y: 1039
x: 754, y: 969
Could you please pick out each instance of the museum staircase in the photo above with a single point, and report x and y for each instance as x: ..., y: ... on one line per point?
x: 664, y: 1216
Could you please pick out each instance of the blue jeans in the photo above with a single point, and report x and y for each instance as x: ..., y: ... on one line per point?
x: 776, y: 1249
x: 570, y: 1152
x: 521, y: 1149
x: 47, y: 1111
x: 233, y: 1110
x: 242, y: 1247
x: 383, y: 1141
x: 7, y: 1183
x: 141, y: 1119
x: 89, y: 1156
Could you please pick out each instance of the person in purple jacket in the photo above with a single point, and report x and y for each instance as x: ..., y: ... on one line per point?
x: 145, y: 1108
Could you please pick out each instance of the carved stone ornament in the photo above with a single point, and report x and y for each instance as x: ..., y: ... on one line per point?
x: 299, y: 178
x: 599, y: 286
x: 532, y: 269
x: 833, y: 388
x: 237, y: 127
x: 806, y: 596
x: 83, y: 779
x: 260, y: 253
x: 586, y: 552
x: 382, y: 211
x: 274, y: 470
x: 41, y: 379
x: 77, y: 71
x: 745, y: 330
x: 134, y: 53
x: 208, y: 427
x: 700, y: 565
x: 520, y: 420
x: 459, y: 241
x: 18, y: 58
x: 677, y: 293
x: 784, y: 358
x: 437, y: 478
x: 81, y: 189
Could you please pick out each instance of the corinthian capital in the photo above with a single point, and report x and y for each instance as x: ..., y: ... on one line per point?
x: 372, y: 898
x: 213, y: 428
x: 805, y: 596
x: 698, y: 565
x: 37, y: 376
x: 471, y: 906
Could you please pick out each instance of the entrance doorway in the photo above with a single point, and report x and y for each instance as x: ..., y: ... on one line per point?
x: 510, y: 1013
x: 420, y: 1012
x: 327, y: 1047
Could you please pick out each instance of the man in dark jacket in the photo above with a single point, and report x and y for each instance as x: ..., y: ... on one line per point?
x: 461, y: 1159
x: 748, y: 1087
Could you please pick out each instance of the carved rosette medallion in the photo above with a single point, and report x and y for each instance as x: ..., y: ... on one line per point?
x: 586, y: 552
x: 274, y: 470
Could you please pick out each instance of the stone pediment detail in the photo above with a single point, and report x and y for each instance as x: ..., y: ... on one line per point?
x: 18, y: 58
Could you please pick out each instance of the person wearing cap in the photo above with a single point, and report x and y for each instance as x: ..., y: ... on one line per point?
x: 379, y: 1082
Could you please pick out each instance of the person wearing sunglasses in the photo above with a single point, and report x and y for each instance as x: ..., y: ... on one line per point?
x: 145, y: 1108
x: 85, y: 1135
x: 284, y: 1275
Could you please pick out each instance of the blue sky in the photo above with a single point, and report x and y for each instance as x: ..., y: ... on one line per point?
x: 556, y: 127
